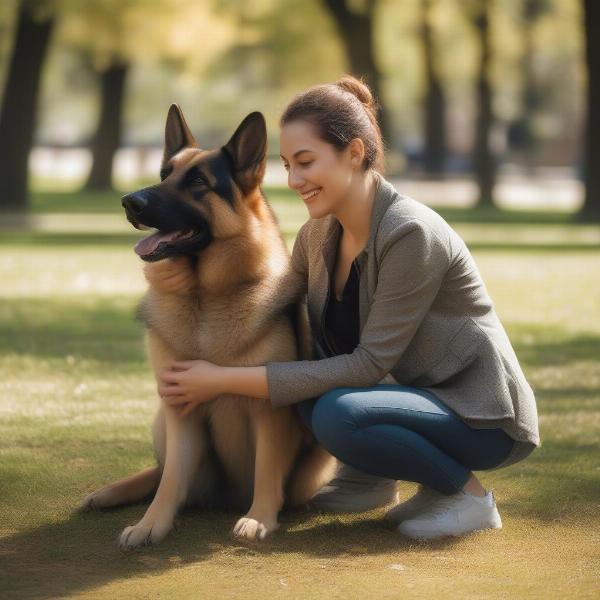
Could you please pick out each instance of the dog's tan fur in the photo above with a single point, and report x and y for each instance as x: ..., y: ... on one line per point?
x: 239, y: 317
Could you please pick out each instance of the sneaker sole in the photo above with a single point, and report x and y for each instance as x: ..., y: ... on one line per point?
x: 408, y: 513
x: 430, y: 535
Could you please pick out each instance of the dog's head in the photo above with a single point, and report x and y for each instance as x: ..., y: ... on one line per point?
x: 201, y: 192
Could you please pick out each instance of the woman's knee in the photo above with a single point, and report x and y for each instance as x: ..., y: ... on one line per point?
x: 335, y: 416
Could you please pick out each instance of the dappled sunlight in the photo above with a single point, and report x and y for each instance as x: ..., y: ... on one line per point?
x: 546, y: 289
x: 66, y: 402
x: 487, y: 113
x: 60, y: 272
x: 77, y: 399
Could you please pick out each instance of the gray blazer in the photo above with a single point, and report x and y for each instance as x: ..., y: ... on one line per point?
x: 426, y: 320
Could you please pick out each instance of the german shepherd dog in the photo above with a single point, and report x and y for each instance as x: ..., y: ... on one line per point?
x: 231, y: 452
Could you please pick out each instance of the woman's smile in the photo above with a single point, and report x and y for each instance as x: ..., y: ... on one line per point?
x: 308, y: 196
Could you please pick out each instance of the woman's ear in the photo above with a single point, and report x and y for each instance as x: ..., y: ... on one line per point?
x: 357, y: 152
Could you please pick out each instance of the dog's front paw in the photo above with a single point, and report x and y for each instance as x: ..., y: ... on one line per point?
x: 143, y: 534
x: 96, y: 500
x: 252, y: 529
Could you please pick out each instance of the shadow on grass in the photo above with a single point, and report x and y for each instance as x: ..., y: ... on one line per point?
x: 127, y: 240
x: 95, y: 328
x: 34, y: 239
x: 544, y: 345
x: 505, y: 216
x: 82, y: 202
x: 557, y: 483
x: 85, y: 202
x: 105, y: 329
x: 560, y: 481
x: 109, y: 202
x: 81, y: 553
x: 45, y: 239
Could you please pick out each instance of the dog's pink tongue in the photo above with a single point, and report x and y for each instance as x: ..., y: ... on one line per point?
x: 149, y: 244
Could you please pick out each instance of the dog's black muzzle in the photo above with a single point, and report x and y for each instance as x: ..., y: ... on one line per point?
x: 149, y: 208
x: 134, y: 204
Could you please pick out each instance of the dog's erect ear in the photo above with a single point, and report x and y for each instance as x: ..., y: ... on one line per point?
x: 177, y: 134
x: 247, y: 149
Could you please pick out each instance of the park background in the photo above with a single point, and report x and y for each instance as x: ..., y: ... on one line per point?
x: 490, y: 111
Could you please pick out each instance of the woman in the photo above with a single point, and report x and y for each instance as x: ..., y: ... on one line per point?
x: 415, y: 378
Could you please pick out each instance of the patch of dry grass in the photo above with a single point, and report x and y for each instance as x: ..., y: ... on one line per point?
x: 77, y: 399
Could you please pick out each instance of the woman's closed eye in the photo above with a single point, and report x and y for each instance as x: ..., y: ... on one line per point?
x: 302, y: 164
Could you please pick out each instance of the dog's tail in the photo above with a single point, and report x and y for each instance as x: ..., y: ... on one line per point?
x: 315, y: 469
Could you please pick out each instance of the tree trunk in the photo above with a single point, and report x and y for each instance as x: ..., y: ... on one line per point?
x: 107, y: 138
x: 18, y: 115
x: 521, y: 135
x: 357, y: 33
x: 483, y: 158
x: 435, y: 102
x: 591, y: 207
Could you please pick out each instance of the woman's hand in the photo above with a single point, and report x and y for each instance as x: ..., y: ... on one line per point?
x: 172, y: 275
x: 185, y: 384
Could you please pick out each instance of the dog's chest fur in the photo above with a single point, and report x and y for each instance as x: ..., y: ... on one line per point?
x: 214, y: 329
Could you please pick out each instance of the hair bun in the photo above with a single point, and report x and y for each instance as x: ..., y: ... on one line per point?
x: 361, y: 90
x: 341, y: 111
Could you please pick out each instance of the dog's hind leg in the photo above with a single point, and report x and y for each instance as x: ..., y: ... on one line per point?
x: 186, y: 448
x: 135, y: 487
x: 278, y: 440
x: 316, y: 469
x: 124, y: 491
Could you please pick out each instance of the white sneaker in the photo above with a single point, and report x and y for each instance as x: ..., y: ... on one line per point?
x: 414, y: 505
x: 352, y: 490
x: 454, y: 515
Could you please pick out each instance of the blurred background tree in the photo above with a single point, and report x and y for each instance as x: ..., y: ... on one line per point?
x: 18, y: 113
x: 591, y: 22
x: 112, y: 35
x: 484, y: 161
x: 355, y: 22
x: 477, y: 87
x: 434, y: 98
x: 521, y: 134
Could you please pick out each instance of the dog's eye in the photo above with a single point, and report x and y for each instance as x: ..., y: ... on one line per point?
x: 194, y: 178
x: 197, y: 181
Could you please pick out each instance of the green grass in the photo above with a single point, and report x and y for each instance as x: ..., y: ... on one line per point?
x: 110, y: 202
x: 77, y: 400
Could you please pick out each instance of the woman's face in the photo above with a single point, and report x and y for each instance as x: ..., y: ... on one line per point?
x: 318, y: 171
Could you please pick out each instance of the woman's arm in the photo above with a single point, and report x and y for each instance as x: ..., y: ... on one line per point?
x: 246, y: 381
x: 185, y: 384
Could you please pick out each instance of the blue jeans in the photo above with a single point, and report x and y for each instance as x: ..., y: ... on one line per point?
x: 402, y: 433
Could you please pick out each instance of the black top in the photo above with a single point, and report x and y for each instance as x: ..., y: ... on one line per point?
x: 342, y: 317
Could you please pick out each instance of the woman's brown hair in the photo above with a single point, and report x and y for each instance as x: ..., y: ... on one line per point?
x: 341, y: 111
